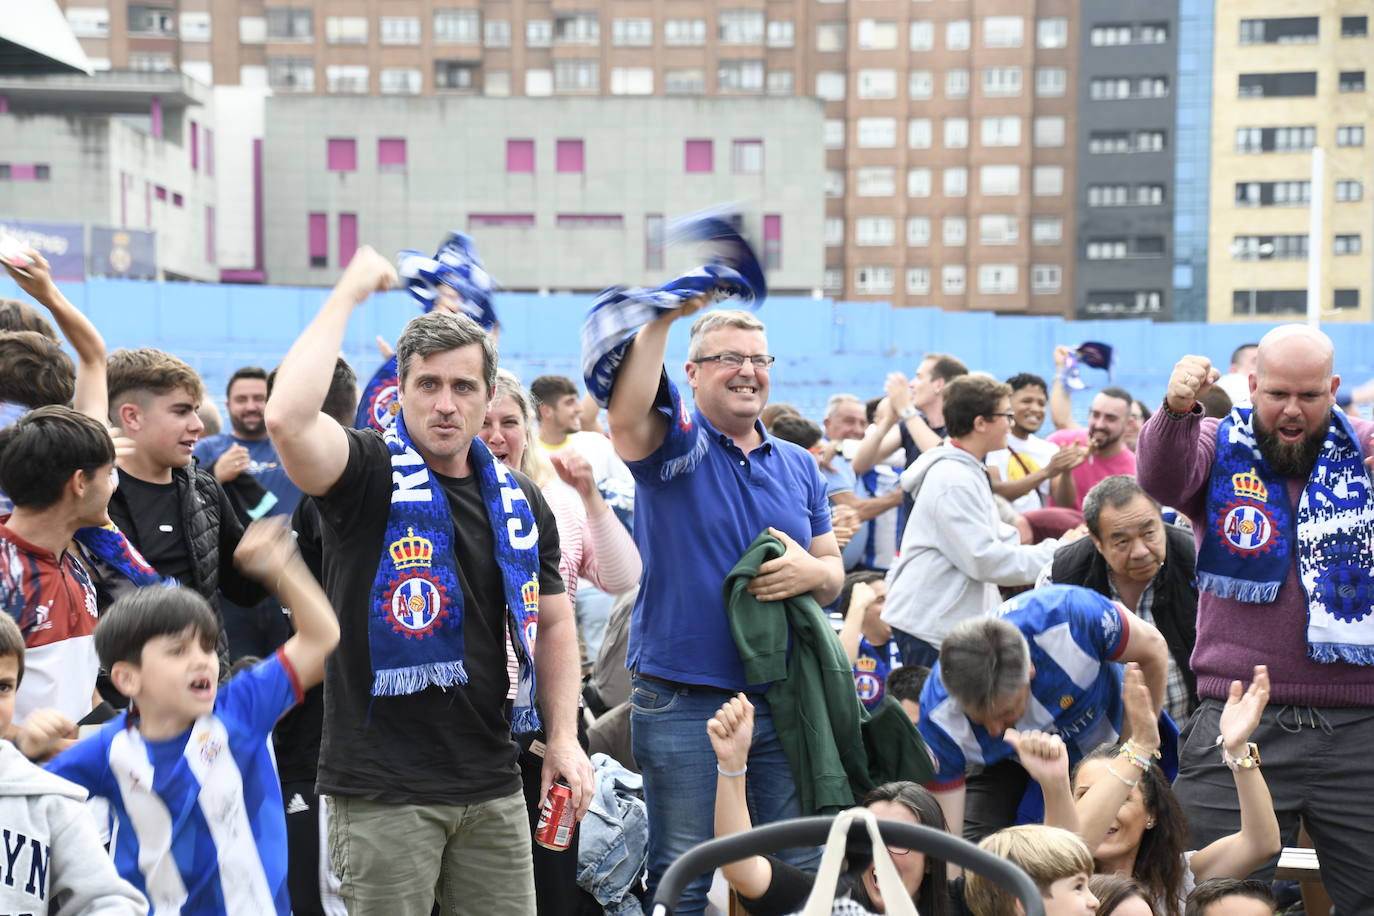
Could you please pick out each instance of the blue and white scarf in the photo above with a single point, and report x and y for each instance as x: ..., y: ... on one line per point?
x: 619, y: 312
x: 111, y: 548
x: 1252, y: 533
x: 415, y: 627
x: 455, y: 265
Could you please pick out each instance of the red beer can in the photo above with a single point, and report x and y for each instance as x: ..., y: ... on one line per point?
x: 556, y: 818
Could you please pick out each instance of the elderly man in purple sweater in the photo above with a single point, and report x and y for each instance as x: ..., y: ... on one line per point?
x: 1279, y: 498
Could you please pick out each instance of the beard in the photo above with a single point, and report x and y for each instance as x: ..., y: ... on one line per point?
x: 1290, y: 459
x: 248, y: 428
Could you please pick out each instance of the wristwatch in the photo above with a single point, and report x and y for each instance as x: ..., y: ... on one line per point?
x: 908, y: 412
x: 1250, y: 761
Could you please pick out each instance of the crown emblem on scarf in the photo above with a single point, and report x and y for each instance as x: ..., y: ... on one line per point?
x: 866, y: 664
x: 529, y: 593
x: 1248, y: 485
x: 411, y: 551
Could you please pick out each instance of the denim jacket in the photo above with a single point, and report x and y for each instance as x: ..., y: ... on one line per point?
x: 613, y: 841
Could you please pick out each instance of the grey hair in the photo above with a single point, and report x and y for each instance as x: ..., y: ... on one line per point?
x: 839, y: 400
x: 439, y: 331
x: 1111, y: 493
x: 722, y: 318
x: 982, y: 661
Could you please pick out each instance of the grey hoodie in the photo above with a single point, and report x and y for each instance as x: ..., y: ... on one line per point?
x: 51, y: 858
x: 955, y: 550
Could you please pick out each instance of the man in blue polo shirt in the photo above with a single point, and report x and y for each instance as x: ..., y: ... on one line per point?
x: 1045, y: 661
x: 709, y: 480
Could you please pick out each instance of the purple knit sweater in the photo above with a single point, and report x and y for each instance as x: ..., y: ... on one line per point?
x: 1173, y: 463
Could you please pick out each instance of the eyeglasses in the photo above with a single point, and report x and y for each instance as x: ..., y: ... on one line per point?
x: 735, y: 360
x: 1009, y: 417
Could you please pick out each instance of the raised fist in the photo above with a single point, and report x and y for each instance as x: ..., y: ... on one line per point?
x: 1192, y: 376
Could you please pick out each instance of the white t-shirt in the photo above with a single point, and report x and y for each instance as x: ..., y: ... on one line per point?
x: 1032, y: 454
x: 600, y: 454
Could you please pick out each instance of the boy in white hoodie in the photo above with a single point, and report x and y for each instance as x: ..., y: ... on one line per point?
x: 53, y: 859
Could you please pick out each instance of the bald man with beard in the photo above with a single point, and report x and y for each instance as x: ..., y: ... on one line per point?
x: 1279, y: 499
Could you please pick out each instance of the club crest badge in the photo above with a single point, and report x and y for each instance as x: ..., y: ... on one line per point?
x: 415, y: 603
x: 385, y: 406
x: 529, y: 595
x: 1247, y: 525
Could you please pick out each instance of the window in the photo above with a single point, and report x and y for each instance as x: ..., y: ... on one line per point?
x: 922, y: 35
x: 918, y: 133
x: 1051, y: 82
x: 399, y: 81
x: 746, y: 157
x: 877, y: 84
x: 780, y: 33
x: 877, y: 133
x: 632, y: 81
x: 834, y: 133
x: 1351, y: 26
x: 1269, y: 248
x: 877, y: 35
x: 779, y: 82
x: 1052, y: 32
x: 151, y: 61
x: 684, y: 32
x: 1275, y: 139
x: 772, y: 241
x: 348, y: 236
x: 1049, y: 131
x: 399, y: 30
x: 999, y: 180
x: 834, y: 231
x: 1347, y: 244
x: 1002, y: 31
x: 1145, y: 33
x: 873, y: 231
x: 958, y: 35
x: 1109, y: 195
x: 1273, y: 193
x: 318, y: 239
x: 741, y: 27
x: 632, y: 33
x: 830, y: 85
x: 1346, y: 299
x: 538, y: 82
x: 456, y: 25
x: 654, y: 241
x: 576, y: 75
x: 576, y: 29
x: 956, y: 84
x: 918, y: 281
x: 1352, y: 81
x: 1129, y: 87
x: 998, y: 229
x: 252, y: 30
x: 921, y: 84
x: 699, y: 155
x: 956, y: 133
x: 1001, y: 81
x: 520, y: 156
x: 1350, y: 135
x: 834, y: 182
x: 1107, y: 35
x: 952, y: 279
x: 1046, y: 278
x: 1047, y: 230
x: 89, y: 21
x: 739, y: 76
x: 1347, y: 191
x: 1047, y: 180
x: 291, y: 73
x: 496, y: 33
x: 345, y: 30
x: 209, y: 152
x: 955, y: 181
x: 1268, y: 301
x: 455, y: 74
x: 1106, y: 249
x: 831, y: 36
x: 684, y: 81
x: 918, y: 230
x: 997, y: 279
x: 589, y: 221
x: 568, y: 156
x: 918, y: 182
x: 954, y: 230
x: 290, y: 24
x: 151, y: 20
x: 832, y: 280
x: 873, y: 280
x: 1277, y: 85
x: 875, y: 181
x: 341, y: 154
x: 1283, y: 31
x: 195, y: 27
x: 539, y: 33
x: 346, y: 78
x: 1001, y: 131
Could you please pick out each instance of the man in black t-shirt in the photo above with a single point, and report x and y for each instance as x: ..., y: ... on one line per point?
x: 425, y: 793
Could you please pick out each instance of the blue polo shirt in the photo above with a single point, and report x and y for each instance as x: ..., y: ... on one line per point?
x: 699, y: 504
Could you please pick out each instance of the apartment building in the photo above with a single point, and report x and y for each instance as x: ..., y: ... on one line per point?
x: 1290, y: 78
x: 949, y: 147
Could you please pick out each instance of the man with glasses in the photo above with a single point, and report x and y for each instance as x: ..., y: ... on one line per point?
x: 956, y: 550
x: 709, y: 480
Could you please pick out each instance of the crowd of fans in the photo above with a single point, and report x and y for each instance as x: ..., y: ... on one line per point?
x: 333, y: 659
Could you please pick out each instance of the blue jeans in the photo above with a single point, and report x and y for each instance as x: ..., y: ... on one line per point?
x: 915, y: 651
x: 668, y: 734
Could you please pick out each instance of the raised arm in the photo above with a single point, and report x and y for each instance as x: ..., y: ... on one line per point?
x: 1146, y: 647
x: 1097, y: 806
x: 1046, y: 759
x: 312, y: 445
x: 610, y: 558
x: 1173, y: 455
x: 731, y: 732
x: 1061, y: 405
x: 1239, y: 854
x: 860, y: 597
x: 35, y: 278
x: 637, y: 429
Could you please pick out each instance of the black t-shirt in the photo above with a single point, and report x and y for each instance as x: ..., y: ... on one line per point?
x: 157, y: 524
x: 297, y: 735
x: 437, y: 746
x: 790, y: 887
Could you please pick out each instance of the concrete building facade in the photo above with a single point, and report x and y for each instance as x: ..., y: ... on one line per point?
x: 1290, y: 77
